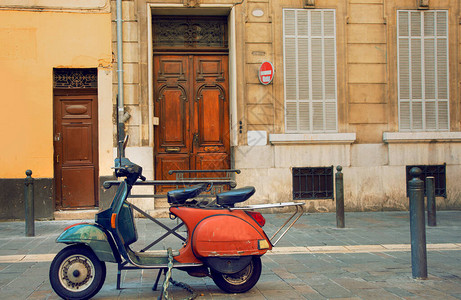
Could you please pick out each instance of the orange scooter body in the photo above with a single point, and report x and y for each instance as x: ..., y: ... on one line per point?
x: 219, y: 233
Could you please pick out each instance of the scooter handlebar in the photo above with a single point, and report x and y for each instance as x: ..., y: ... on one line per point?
x: 125, y: 168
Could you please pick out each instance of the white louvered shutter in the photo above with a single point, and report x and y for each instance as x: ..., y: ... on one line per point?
x: 423, y: 70
x: 310, y: 70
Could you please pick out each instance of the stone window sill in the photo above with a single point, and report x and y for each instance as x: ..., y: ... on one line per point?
x: 421, y: 137
x: 308, y: 138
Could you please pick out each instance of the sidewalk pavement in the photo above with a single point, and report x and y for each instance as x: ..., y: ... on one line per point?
x: 369, y: 259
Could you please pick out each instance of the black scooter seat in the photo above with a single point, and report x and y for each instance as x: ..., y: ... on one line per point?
x: 235, y: 196
x: 180, y: 196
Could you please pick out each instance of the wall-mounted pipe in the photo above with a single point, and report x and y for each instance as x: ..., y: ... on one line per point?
x: 119, y: 23
x: 120, y: 96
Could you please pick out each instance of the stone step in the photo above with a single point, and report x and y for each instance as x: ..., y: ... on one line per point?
x: 75, y: 214
x: 160, y: 213
x: 161, y: 203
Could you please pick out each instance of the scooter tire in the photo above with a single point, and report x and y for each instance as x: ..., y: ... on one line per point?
x: 77, y: 273
x: 239, y: 282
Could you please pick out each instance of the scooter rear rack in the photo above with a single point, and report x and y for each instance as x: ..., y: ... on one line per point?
x: 299, y: 211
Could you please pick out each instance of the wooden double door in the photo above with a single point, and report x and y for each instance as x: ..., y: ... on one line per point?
x: 191, y: 102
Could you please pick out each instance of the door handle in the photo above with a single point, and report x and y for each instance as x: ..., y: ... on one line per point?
x: 57, y: 159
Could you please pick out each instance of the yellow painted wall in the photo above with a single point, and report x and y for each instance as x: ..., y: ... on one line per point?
x: 31, y: 45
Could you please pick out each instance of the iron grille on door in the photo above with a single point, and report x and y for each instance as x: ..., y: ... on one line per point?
x: 436, y: 171
x: 313, y: 183
x: 190, y: 32
x: 84, y: 78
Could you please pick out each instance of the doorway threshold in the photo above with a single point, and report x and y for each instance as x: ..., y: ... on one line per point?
x: 75, y: 214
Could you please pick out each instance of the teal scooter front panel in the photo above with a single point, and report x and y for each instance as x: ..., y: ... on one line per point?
x: 93, y: 236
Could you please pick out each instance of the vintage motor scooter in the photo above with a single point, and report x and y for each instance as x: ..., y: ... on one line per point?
x: 223, y: 241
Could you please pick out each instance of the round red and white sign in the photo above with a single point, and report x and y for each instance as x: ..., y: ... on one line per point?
x: 266, y: 73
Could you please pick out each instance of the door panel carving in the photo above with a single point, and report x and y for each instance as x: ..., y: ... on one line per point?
x: 76, y: 110
x: 210, y: 68
x: 172, y: 162
x: 77, y: 184
x: 171, y: 68
x: 213, y: 161
x: 173, y: 106
x: 210, y: 113
x: 77, y: 147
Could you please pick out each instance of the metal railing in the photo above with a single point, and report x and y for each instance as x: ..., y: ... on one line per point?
x: 215, y: 189
x: 216, y: 184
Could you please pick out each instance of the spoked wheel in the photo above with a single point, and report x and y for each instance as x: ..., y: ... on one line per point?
x: 239, y: 282
x: 77, y: 273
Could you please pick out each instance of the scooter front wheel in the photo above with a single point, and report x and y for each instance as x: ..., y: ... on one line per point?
x: 77, y: 273
x: 239, y: 282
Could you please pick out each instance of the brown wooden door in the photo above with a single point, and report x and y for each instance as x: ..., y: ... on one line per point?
x: 76, y: 151
x: 191, y: 101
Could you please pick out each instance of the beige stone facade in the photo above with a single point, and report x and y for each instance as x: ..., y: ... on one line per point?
x: 364, y: 128
x: 367, y: 135
x: 368, y: 143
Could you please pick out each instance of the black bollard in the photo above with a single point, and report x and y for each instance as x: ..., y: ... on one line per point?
x: 431, y: 207
x: 417, y: 225
x: 339, y: 197
x: 29, y: 204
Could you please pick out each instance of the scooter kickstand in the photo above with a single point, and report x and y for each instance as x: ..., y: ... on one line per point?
x: 154, y: 288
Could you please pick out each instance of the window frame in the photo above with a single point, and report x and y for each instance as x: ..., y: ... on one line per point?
x: 424, y: 100
x: 326, y: 122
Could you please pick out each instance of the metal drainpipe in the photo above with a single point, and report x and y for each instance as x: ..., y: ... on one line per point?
x: 121, y: 110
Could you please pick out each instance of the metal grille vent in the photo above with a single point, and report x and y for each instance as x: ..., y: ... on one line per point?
x: 436, y: 171
x: 313, y: 183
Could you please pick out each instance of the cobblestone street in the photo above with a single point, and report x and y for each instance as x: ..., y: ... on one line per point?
x: 369, y: 259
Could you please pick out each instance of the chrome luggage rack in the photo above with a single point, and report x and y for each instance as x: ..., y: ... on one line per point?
x: 299, y: 211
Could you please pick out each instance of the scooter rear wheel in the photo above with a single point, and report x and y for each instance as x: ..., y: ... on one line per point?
x: 239, y: 282
x: 77, y: 273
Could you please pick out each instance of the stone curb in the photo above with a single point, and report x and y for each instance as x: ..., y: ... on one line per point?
x: 361, y: 248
